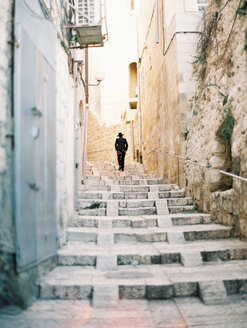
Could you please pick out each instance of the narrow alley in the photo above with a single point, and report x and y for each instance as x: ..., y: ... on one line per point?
x: 123, y: 164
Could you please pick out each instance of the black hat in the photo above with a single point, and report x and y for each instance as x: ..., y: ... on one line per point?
x: 120, y: 135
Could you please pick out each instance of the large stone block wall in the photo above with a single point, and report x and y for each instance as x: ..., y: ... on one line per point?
x: 101, y: 139
x: 160, y: 96
x: 7, y: 244
x: 221, y: 94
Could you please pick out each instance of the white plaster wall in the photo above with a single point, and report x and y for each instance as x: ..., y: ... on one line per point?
x: 65, y: 143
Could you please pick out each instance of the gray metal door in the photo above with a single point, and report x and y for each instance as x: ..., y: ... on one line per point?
x: 35, y: 137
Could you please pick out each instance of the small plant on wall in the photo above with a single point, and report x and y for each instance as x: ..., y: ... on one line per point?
x: 224, y: 132
x: 242, y: 9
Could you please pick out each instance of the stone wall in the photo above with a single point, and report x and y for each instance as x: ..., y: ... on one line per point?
x: 165, y: 70
x: 101, y: 139
x: 7, y: 244
x: 220, y: 100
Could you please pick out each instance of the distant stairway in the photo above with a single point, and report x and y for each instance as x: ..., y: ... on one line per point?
x: 136, y: 237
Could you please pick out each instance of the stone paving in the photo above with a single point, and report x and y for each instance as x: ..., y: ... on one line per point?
x: 139, y: 255
x: 176, y: 313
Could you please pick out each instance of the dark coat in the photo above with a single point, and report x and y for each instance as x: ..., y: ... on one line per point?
x: 121, y: 144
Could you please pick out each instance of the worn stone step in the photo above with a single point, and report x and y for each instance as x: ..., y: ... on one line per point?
x: 84, y: 188
x: 172, y: 194
x: 129, y: 195
x: 131, y: 189
x: 180, y: 201
x: 90, y: 195
x: 151, y: 234
x: 168, y: 187
x: 93, y: 212
x: 145, y: 220
x: 182, y: 209
x: 138, y: 182
x: 191, y: 218
x: 136, y: 211
x: 134, y: 222
x: 126, y: 182
x: 92, y: 204
x: 97, y: 183
x: 148, y: 281
x: 136, y: 203
x: 76, y: 253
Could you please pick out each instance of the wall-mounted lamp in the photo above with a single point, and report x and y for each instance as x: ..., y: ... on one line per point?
x: 99, y: 77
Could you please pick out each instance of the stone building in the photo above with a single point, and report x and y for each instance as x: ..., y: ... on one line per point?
x: 42, y: 92
x: 192, y: 56
x: 167, y: 35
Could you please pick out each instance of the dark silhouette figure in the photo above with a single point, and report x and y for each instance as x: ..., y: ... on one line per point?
x: 121, y: 146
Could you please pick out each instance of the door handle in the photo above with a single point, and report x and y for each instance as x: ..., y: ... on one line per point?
x: 33, y: 186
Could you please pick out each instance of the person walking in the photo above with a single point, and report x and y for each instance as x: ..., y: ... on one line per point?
x: 121, y: 146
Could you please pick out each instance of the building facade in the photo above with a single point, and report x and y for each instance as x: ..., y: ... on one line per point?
x: 41, y: 128
x: 192, y: 56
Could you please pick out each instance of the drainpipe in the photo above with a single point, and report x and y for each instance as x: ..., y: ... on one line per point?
x: 139, y: 94
x: 84, y: 157
x: 157, y: 21
x: 75, y: 137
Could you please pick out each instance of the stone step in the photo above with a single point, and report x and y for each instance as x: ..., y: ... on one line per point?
x: 134, y: 211
x: 136, y: 203
x: 93, y: 212
x: 145, y: 220
x: 151, y: 234
x: 129, y: 195
x: 172, y: 194
x: 190, y: 218
x: 90, y: 195
x: 144, y: 281
x: 94, y: 188
x: 179, y: 201
x: 138, y: 182
x: 182, y: 209
x: 92, y: 182
x: 76, y: 253
x: 92, y: 204
x: 133, y: 189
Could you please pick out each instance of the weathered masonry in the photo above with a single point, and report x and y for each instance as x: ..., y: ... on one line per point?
x: 194, y: 61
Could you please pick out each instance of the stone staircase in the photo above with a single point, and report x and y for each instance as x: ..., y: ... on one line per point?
x: 136, y: 237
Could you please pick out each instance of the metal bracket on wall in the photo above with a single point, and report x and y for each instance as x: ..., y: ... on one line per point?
x: 36, y: 111
x: 34, y: 186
